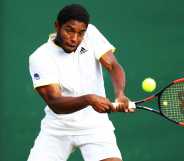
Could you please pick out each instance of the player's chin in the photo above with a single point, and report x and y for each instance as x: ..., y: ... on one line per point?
x: 69, y: 49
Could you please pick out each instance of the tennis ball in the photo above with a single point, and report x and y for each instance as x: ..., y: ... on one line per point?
x: 148, y: 85
x: 165, y: 103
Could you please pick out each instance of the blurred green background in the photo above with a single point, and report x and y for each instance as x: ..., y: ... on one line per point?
x: 149, y: 37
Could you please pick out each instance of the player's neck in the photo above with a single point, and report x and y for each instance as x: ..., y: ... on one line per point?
x: 58, y: 41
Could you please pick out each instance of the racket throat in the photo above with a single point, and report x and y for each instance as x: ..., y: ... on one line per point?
x: 148, y: 109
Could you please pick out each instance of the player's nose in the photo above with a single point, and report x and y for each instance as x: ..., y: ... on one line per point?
x: 74, y: 38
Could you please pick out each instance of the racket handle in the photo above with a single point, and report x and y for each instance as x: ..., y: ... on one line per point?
x: 130, y: 104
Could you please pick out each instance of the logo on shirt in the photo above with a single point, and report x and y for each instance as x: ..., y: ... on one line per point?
x: 36, y: 76
x: 83, y: 50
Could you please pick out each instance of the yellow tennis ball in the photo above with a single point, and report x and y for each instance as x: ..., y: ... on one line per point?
x: 148, y: 85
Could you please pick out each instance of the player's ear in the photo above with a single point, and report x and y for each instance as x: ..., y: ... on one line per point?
x: 57, y: 25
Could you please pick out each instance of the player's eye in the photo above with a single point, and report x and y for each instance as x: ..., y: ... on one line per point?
x: 69, y: 30
x: 81, y: 33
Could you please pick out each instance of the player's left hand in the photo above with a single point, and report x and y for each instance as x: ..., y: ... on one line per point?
x: 123, y: 104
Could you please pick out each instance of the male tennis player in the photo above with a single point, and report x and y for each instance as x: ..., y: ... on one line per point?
x: 66, y: 71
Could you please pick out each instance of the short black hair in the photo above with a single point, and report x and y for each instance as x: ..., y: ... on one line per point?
x: 73, y: 12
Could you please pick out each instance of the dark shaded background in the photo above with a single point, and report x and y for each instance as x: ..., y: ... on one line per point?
x: 149, y: 36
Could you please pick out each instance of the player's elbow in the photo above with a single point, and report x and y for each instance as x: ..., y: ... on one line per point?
x: 54, y: 105
x: 109, y: 67
x: 113, y: 67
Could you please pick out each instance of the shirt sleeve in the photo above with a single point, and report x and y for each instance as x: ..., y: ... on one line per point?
x: 100, y: 43
x: 43, y: 71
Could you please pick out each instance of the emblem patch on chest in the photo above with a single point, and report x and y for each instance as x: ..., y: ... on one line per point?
x: 36, y: 76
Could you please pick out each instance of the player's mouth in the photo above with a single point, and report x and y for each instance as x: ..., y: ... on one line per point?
x: 70, y: 48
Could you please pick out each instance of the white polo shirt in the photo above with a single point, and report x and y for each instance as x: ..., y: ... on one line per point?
x: 77, y: 73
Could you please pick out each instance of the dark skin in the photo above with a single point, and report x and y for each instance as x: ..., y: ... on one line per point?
x: 69, y: 36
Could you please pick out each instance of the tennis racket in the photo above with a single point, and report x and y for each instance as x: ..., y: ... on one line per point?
x: 170, y: 102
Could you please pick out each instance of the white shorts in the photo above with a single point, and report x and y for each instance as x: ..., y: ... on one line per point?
x: 94, y: 147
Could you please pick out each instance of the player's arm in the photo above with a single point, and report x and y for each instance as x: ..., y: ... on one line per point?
x: 66, y: 104
x: 117, y: 75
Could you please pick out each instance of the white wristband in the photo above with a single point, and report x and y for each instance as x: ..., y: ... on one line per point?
x: 130, y: 104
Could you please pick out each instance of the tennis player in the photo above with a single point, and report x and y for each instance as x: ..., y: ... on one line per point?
x: 66, y: 71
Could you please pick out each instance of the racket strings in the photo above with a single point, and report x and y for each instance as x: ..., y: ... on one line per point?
x: 172, y: 102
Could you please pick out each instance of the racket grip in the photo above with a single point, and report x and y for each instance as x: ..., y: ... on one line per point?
x: 130, y: 104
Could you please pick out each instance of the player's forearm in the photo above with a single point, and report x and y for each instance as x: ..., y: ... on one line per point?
x: 67, y: 104
x: 118, y: 79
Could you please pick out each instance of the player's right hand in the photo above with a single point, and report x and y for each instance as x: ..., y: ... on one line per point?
x: 99, y: 103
